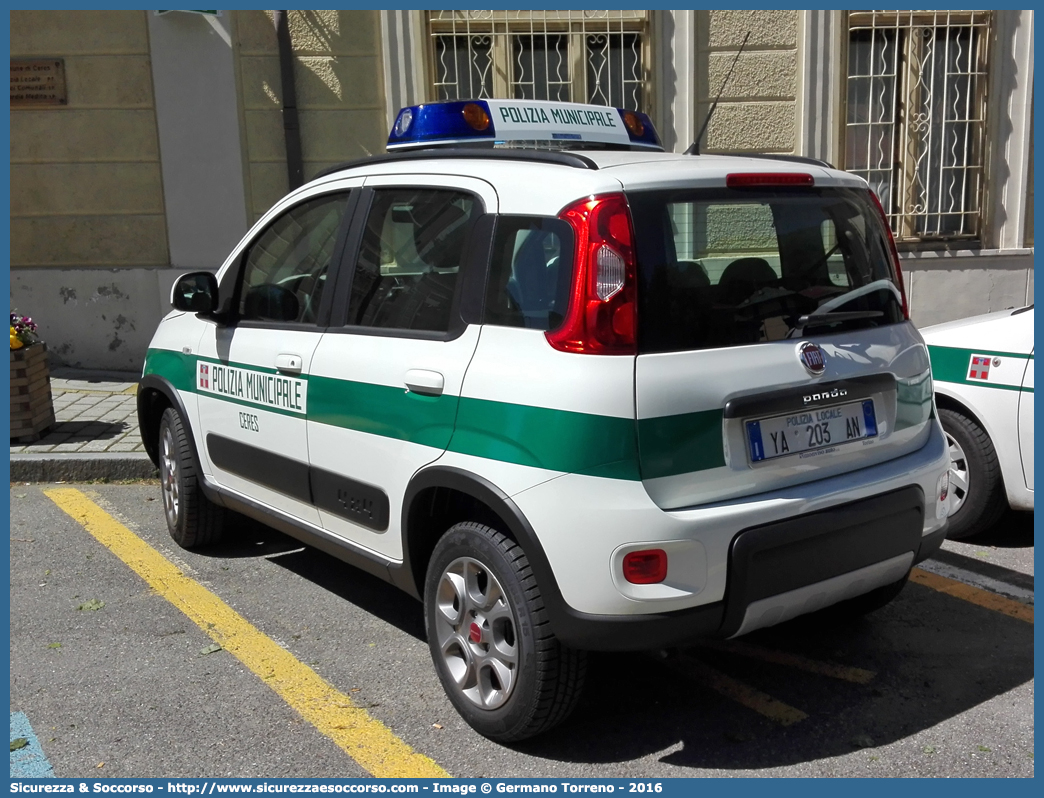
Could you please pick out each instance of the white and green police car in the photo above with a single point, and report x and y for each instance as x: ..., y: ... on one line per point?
x: 600, y: 397
x: 983, y: 369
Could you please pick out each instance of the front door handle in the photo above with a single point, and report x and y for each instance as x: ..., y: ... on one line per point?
x: 288, y: 364
x: 422, y: 381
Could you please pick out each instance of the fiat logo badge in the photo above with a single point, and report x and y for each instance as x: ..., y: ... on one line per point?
x: 812, y: 358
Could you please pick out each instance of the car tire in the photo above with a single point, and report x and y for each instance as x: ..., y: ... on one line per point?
x: 977, y: 499
x: 488, y: 632
x: 192, y: 519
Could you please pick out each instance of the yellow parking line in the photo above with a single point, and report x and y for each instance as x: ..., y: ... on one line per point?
x: 831, y: 669
x: 984, y: 598
x: 364, y: 739
x: 750, y: 697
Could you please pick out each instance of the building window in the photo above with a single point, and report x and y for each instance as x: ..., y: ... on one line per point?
x: 596, y: 57
x: 916, y: 120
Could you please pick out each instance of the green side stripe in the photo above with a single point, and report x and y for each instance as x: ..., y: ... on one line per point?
x: 178, y: 368
x: 680, y: 444
x: 382, y: 410
x: 557, y: 440
x: 950, y: 364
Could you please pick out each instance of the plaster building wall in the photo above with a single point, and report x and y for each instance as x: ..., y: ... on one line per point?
x: 172, y: 144
x: 338, y: 83
x: 1028, y: 233
x: 86, y: 186
x: 758, y: 107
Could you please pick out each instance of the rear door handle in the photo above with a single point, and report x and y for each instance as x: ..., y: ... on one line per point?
x: 288, y: 364
x: 422, y: 381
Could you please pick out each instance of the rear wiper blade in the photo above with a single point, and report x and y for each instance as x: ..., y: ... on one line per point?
x: 833, y: 316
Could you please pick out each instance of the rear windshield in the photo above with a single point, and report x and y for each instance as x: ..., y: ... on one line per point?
x: 723, y: 267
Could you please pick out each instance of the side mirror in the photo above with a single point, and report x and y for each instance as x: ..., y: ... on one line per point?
x: 196, y: 292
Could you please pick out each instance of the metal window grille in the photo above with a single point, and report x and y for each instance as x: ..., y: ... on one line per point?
x: 916, y: 121
x: 597, y: 57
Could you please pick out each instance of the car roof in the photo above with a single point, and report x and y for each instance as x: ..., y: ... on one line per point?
x: 594, y: 159
x: 542, y: 181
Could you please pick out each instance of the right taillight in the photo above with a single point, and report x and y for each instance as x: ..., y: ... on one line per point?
x: 894, y: 251
x: 600, y: 319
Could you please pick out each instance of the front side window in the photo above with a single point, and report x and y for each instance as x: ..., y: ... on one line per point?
x: 285, y: 269
x: 720, y: 267
x: 596, y: 57
x: 916, y: 123
x: 412, y: 251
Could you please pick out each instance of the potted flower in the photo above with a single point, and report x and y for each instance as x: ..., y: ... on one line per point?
x: 32, y: 410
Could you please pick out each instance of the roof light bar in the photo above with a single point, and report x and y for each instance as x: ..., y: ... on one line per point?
x: 490, y: 123
x: 750, y: 179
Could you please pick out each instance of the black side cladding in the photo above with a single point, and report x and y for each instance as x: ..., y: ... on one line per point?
x: 259, y: 465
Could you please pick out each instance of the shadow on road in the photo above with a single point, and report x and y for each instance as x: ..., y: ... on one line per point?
x: 253, y: 539
x: 935, y: 657
x: 1014, y: 530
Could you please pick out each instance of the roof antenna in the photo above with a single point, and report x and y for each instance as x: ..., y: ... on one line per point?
x: 694, y: 148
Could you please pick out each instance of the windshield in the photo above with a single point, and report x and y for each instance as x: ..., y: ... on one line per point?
x: 723, y: 267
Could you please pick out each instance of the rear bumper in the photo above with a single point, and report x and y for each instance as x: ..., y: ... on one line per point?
x: 778, y: 571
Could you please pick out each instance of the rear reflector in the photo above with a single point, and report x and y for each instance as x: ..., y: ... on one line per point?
x: 748, y: 179
x: 645, y: 567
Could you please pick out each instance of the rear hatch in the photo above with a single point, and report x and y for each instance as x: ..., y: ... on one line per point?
x: 773, y: 344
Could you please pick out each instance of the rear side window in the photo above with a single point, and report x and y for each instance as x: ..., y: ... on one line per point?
x: 724, y: 267
x: 530, y: 273
x: 412, y: 250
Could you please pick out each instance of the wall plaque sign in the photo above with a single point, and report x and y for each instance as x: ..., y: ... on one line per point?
x: 37, y: 82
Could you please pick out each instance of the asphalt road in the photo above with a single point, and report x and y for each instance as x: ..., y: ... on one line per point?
x: 934, y: 684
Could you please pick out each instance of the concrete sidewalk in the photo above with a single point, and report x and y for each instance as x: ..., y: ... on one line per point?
x: 95, y: 435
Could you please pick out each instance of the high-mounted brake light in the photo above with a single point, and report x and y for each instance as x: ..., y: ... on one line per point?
x: 893, y: 250
x: 647, y: 567
x: 749, y: 179
x: 603, y: 298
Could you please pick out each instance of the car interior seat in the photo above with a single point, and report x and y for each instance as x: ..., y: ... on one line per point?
x: 743, y: 277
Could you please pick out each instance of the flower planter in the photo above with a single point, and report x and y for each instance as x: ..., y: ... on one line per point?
x: 32, y: 410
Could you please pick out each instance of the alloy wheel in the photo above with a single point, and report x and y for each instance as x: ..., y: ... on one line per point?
x: 475, y: 629
x: 959, y: 475
x: 169, y: 477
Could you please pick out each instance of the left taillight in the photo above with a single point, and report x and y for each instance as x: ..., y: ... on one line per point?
x: 893, y: 250
x: 602, y: 309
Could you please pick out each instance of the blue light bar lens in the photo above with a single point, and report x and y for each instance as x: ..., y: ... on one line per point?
x: 439, y: 122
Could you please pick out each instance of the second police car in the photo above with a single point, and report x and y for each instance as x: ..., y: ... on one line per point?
x: 983, y: 370
x: 599, y: 398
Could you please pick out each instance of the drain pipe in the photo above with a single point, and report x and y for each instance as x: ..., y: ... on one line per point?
x: 291, y: 127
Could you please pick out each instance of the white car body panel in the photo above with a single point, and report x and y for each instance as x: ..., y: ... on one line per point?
x: 1026, y: 425
x: 537, y: 376
x: 385, y: 461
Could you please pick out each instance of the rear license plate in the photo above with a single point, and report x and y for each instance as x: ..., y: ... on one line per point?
x: 811, y: 432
